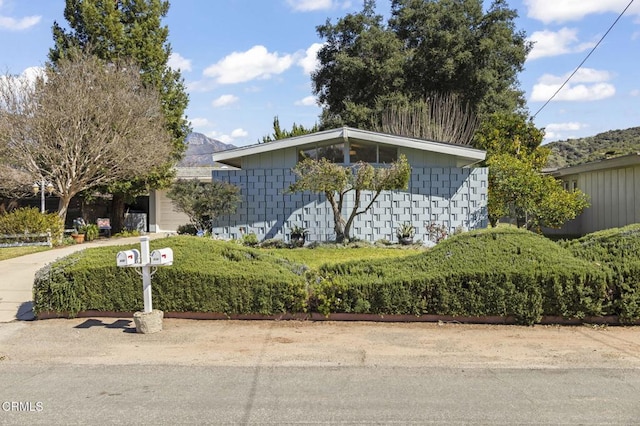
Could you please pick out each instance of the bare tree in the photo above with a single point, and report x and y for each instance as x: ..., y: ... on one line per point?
x: 442, y: 118
x: 86, y: 124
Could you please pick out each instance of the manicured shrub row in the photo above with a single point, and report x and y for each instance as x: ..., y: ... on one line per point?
x: 493, y: 272
x: 208, y: 276
x: 31, y: 221
x: 619, y: 251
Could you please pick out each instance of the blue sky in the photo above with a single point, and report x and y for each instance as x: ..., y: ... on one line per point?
x: 246, y: 61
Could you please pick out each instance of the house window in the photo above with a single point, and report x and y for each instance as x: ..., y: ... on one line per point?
x: 333, y: 153
x: 387, y: 154
x: 370, y: 153
x: 362, y: 152
x: 574, y: 185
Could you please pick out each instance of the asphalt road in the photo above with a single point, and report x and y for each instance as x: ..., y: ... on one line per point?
x: 164, y: 394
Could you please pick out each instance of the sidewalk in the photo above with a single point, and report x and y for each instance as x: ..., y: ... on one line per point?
x: 17, y: 274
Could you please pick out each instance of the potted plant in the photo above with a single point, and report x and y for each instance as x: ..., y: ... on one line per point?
x: 405, y: 233
x: 79, y: 226
x: 298, y: 235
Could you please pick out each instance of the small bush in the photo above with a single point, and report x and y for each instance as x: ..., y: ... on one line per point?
x: 187, y: 229
x: 250, y: 240
x: 31, y: 221
x: 274, y: 243
x: 90, y: 232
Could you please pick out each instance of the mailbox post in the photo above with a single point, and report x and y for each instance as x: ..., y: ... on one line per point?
x: 148, y: 321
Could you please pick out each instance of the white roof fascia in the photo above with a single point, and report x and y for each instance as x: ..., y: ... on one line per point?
x: 312, y: 138
x: 610, y: 163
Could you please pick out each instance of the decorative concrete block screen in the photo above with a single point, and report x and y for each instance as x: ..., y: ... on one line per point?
x: 453, y: 197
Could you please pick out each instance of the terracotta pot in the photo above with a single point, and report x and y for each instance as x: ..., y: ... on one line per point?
x: 79, y: 238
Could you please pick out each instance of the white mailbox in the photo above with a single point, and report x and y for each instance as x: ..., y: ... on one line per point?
x: 162, y: 256
x: 128, y: 258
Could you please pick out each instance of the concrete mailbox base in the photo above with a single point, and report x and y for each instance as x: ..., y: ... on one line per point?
x: 148, y: 322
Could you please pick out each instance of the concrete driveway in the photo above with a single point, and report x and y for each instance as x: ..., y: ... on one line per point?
x: 16, y: 276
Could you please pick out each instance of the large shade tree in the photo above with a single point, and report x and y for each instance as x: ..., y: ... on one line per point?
x: 132, y: 29
x: 84, y: 125
x: 450, y: 47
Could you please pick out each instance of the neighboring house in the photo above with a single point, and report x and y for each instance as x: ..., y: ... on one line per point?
x: 613, y: 187
x: 162, y: 215
x: 444, y: 188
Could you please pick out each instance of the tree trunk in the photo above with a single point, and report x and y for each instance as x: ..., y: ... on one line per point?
x: 338, y: 220
x: 117, y: 212
x: 63, y: 207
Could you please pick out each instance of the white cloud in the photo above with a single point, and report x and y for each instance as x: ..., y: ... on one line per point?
x: 557, y: 131
x: 564, y: 127
x: 635, y: 93
x: 177, y: 62
x: 224, y: 100
x: 549, y: 11
x: 580, y: 92
x: 24, y: 80
x: 200, y: 122
x: 309, y: 62
x: 308, y: 101
x: 239, y: 133
x: 554, y: 43
x: 13, y: 24
x: 310, y: 5
x: 228, y: 138
x: 255, y: 63
x: 586, y: 85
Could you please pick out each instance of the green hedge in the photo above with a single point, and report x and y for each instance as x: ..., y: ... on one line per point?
x: 618, y: 250
x: 31, y: 221
x: 493, y: 272
x: 207, y: 276
x: 501, y: 272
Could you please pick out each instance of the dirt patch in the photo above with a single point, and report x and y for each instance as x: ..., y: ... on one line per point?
x: 112, y: 341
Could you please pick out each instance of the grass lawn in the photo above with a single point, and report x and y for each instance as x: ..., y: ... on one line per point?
x: 317, y: 257
x: 11, y: 252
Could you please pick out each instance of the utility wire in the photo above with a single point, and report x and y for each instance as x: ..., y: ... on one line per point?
x: 584, y: 60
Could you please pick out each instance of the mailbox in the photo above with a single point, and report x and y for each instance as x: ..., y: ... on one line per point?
x: 162, y: 256
x: 128, y: 258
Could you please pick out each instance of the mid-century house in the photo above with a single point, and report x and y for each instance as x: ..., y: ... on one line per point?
x: 445, y: 188
x: 613, y: 187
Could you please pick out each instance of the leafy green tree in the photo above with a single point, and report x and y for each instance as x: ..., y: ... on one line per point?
x: 513, y: 134
x: 518, y: 190
x: 336, y: 181
x: 280, y: 133
x: 204, y: 202
x: 428, y: 46
x: 455, y: 46
x: 361, y: 68
x: 118, y: 29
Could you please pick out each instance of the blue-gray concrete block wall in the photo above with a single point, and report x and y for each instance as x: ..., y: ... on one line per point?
x: 449, y: 197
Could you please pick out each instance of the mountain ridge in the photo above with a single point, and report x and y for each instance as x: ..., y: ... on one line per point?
x: 199, y: 150
x: 612, y: 143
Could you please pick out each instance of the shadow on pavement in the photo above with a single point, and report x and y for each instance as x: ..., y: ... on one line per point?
x: 122, y: 324
x: 25, y: 312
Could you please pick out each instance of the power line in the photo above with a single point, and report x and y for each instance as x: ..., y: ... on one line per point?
x: 584, y: 60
